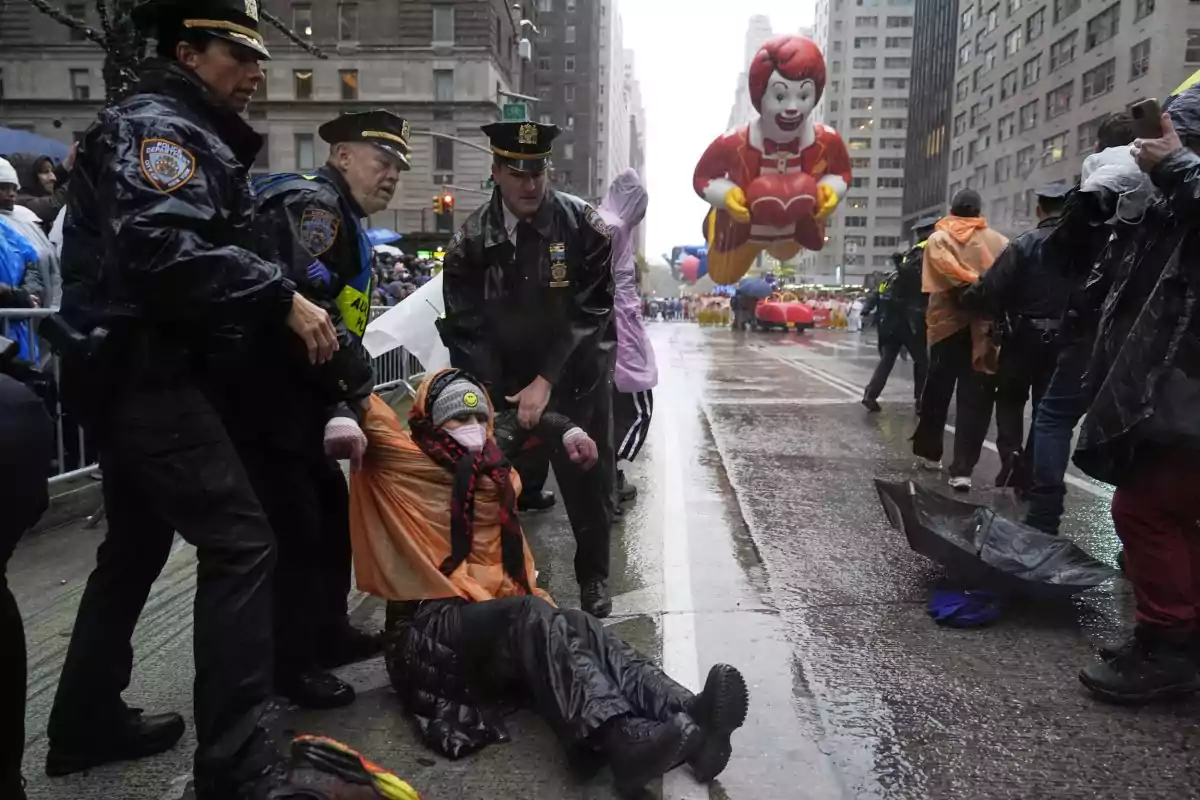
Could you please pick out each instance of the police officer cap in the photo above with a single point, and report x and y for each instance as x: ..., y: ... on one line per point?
x: 1053, y: 191
x: 234, y: 20
x: 925, y: 223
x: 524, y: 146
x: 385, y: 130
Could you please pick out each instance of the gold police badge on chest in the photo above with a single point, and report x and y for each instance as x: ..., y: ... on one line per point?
x: 558, y: 266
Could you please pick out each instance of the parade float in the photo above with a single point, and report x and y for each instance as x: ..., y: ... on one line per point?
x: 773, y: 182
x: 783, y: 311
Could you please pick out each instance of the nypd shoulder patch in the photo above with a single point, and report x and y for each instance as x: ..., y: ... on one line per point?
x: 456, y: 241
x: 597, y: 222
x: 318, y: 229
x: 166, y: 165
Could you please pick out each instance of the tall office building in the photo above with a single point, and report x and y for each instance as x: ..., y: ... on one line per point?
x: 445, y: 66
x: 1035, y: 80
x: 612, y: 106
x: 930, y: 109
x: 637, y: 138
x: 868, y: 50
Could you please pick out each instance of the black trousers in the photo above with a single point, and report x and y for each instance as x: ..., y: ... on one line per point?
x: 903, y: 338
x: 1027, y: 363
x: 950, y: 372
x: 632, y: 412
x: 26, y: 447
x: 577, y: 674
x: 169, y: 466
x: 533, y: 465
x: 308, y: 505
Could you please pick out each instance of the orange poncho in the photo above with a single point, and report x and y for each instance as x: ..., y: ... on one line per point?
x: 400, y: 521
x: 959, y: 251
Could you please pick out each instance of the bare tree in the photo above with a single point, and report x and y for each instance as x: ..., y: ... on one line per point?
x: 125, y: 46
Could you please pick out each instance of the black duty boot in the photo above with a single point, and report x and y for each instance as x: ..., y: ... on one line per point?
x: 133, y: 736
x: 871, y: 404
x: 349, y: 645
x: 641, y: 750
x: 1150, y: 666
x: 719, y: 710
x: 315, y: 689
x: 626, y: 492
x: 538, y: 501
x: 594, y: 599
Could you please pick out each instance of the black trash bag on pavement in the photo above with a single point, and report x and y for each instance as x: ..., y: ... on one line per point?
x: 978, y: 546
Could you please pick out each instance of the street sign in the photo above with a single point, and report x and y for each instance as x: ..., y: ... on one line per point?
x: 488, y: 185
x: 516, y: 112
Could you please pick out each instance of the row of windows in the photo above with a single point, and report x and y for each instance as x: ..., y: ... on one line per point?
x: 890, y: 43
x: 1054, y: 149
x: 873, y: 22
x: 865, y: 162
x: 880, y: 202
x: 1098, y: 30
x: 871, y: 62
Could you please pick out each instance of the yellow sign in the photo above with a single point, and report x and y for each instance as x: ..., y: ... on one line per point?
x: 356, y: 310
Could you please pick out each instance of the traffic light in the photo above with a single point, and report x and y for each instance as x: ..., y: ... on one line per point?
x: 447, y: 203
x: 437, y: 204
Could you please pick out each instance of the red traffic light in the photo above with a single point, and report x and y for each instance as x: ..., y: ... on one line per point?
x: 448, y: 203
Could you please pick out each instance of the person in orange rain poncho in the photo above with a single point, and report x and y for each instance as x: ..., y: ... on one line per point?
x: 961, y: 350
x: 435, y: 532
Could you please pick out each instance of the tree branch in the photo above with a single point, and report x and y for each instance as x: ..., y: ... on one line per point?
x: 58, y: 15
x: 289, y: 33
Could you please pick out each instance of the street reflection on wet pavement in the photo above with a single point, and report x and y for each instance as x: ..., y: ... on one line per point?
x: 757, y: 539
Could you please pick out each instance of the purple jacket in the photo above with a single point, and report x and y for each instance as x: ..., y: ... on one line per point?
x: 623, y: 209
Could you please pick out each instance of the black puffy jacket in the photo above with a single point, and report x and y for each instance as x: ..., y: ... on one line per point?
x: 1027, y: 280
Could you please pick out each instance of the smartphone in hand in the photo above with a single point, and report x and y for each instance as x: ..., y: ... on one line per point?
x: 1147, y: 118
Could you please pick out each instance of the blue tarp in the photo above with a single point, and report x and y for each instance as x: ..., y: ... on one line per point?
x: 14, y: 141
x: 16, y: 256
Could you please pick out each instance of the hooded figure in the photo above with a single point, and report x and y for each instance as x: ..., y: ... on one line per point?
x: 43, y: 186
x: 433, y: 518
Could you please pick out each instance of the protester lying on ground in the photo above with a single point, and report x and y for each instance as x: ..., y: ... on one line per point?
x: 435, y: 531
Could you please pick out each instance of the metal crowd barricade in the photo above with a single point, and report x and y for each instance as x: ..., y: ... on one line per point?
x: 392, y: 370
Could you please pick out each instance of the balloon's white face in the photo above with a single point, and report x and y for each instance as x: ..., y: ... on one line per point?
x: 787, y: 107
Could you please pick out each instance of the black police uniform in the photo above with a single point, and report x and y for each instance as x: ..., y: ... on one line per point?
x: 1028, y: 291
x: 159, y: 253
x: 902, y: 320
x: 310, y: 225
x: 543, y: 306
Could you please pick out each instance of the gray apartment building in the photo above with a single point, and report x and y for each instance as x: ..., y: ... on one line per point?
x: 445, y: 66
x: 1035, y: 79
x: 868, y: 47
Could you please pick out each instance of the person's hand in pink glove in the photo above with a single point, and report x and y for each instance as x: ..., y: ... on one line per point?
x: 344, y: 440
x: 580, y: 448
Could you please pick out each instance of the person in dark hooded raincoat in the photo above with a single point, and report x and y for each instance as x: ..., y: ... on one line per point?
x: 43, y: 184
x: 436, y: 533
x: 1142, y: 432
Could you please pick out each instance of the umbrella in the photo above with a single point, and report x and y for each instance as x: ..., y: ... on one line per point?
x: 395, y: 252
x: 757, y: 288
x: 979, y: 546
x: 383, y: 236
x: 15, y: 141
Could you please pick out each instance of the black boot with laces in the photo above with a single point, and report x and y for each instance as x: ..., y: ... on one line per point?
x: 1152, y: 664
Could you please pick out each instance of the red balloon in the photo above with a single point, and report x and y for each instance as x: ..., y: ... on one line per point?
x: 690, y: 268
x: 781, y: 200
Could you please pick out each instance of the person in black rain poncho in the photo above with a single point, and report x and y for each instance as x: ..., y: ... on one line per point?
x: 529, y: 306
x: 1142, y: 432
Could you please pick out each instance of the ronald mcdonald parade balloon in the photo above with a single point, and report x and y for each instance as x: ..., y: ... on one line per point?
x: 774, y: 182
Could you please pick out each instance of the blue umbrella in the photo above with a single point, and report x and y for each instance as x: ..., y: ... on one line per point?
x: 383, y: 236
x: 14, y: 141
x: 757, y: 288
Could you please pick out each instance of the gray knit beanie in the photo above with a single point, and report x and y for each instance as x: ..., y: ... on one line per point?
x: 459, y: 400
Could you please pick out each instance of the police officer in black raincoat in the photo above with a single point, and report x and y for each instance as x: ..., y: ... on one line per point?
x: 529, y: 302
x: 901, y: 309
x: 1028, y: 289
x: 161, y: 275
x: 310, y: 225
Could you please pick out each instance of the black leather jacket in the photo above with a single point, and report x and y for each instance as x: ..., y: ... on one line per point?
x: 159, y: 238
x: 543, y: 307
x: 1025, y: 282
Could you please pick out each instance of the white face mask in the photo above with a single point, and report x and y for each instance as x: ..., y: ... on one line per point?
x: 470, y: 435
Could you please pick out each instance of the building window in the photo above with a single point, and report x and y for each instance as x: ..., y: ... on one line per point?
x: 859, y: 144
x: 545, y: 5
x: 1029, y: 116
x: 993, y: 18
x: 1007, y: 127
x: 1062, y: 52
x: 348, y: 22
x: 1014, y: 6
x: 1014, y: 41
x: 860, y: 163
x: 1003, y: 169
x: 1089, y: 133
x: 1103, y: 26
x: 862, y: 103
x: 960, y: 124
x: 893, y: 123
x: 569, y: 35
x: 1139, y: 60
x: 443, y: 24
x: 302, y: 79
x: 964, y: 55
x: 1099, y: 81
x: 861, y: 42
x: 895, y: 83
x: 867, y: 22
x: 889, y: 202
x: 81, y: 88
x: 1055, y: 148
x: 891, y: 144
x: 968, y: 17
x: 861, y: 123
x: 78, y: 11
x: 899, y: 22
x: 889, y: 183
x: 1025, y: 157
x: 1058, y: 101
x: 443, y: 85
x: 956, y: 158
x: 570, y: 123
x: 963, y: 90
x: 1143, y: 9
x: 857, y: 202
x: 569, y: 93
x: 545, y: 119
x: 1065, y: 8
x: 302, y: 20
x: 1008, y: 85
x: 862, y: 83
x: 306, y: 155
x: 856, y: 222
x: 443, y: 155
x: 975, y: 114
x: 864, y: 62
x: 543, y: 64
x: 895, y: 102
x: 262, y: 160
x: 1031, y: 73
x: 349, y: 81
x: 568, y: 151
x: 1192, y: 54
x: 897, y: 62
x: 569, y: 64
x: 570, y: 6
x: 886, y: 241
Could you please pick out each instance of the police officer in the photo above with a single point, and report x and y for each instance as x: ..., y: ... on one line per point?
x: 158, y: 268
x: 1027, y: 292
x: 310, y: 225
x: 529, y: 302
x: 902, y: 320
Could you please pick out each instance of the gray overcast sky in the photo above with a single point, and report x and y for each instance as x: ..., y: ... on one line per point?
x: 688, y: 58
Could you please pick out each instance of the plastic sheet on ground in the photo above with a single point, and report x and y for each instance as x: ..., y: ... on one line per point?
x: 986, y: 550
x: 412, y: 324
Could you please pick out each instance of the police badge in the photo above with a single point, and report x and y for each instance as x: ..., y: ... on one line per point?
x: 318, y: 229
x: 558, y: 266
x: 167, y: 165
x: 527, y: 134
x: 252, y: 9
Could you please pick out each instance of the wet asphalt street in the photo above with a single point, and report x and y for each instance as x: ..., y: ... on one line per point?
x: 757, y: 539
